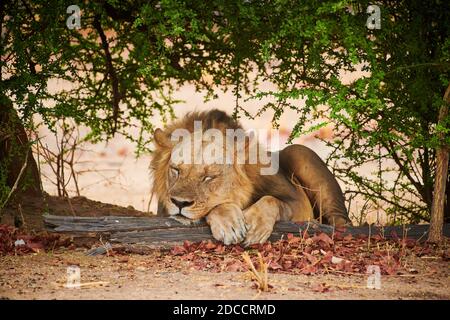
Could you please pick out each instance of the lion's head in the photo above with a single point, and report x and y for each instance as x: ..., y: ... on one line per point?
x: 192, y: 188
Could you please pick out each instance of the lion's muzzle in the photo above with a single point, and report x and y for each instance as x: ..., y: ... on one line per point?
x: 181, y: 203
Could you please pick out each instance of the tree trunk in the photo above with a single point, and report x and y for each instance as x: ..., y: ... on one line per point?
x: 447, y: 205
x: 14, y: 147
x: 440, y: 181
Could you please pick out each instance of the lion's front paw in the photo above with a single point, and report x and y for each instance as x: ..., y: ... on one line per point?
x: 260, y: 227
x: 227, y: 224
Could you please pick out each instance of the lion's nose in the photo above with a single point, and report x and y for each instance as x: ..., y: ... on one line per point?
x: 181, y: 204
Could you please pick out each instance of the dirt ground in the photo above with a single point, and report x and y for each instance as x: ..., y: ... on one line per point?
x: 162, y: 275
x: 29, y: 211
x: 44, y: 275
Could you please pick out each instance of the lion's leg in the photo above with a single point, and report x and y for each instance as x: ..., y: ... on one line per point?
x: 227, y: 223
x: 261, y: 217
x: 319, y: 183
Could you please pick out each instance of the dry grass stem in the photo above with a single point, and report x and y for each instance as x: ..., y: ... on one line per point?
x: 261, y: 276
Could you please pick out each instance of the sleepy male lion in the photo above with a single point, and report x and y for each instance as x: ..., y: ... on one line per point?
x: 239, y: 203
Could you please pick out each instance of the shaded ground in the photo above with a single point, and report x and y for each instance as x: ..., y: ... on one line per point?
x: 29, y: 211
x: 43, y: 275
x: 299, y: 268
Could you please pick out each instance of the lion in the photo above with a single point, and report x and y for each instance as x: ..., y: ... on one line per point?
x: 240, y: 204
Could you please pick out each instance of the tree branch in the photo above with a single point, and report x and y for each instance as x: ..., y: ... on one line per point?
x: 116, y: 96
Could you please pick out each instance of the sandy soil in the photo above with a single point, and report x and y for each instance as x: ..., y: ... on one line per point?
x: 43, y: 276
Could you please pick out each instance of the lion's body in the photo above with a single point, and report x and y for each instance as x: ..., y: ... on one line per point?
x: 239, y: 202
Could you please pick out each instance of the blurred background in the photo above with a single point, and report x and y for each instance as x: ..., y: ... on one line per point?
x: 111, y: 172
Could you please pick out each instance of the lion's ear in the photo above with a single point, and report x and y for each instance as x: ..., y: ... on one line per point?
x: 161, y: 138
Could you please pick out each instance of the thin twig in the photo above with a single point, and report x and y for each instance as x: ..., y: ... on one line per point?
x: 19, y: 208
x: 16, y: 183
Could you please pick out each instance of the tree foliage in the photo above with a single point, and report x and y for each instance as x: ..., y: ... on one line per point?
x: 129, y: 56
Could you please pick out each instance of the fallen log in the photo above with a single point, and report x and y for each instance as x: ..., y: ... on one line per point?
x: 160, y: 231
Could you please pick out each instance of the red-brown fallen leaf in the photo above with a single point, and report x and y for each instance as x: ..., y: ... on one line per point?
x: 308, y: 249
x: 24, y: 237
x: 328, y: 257
x: 275, y: 266
x: 287, y: 264
x: 220, y: 249
x: 323, y: 237
x: 237, y: 249
x: 338, y: 236
x: 210, y: 245
x: 189, y: 257
x: 187, y: 244
x: 294, y: 240
x: 35, y: 246
x: 340, y: 266
x: 178, y: 250
x: 33, y: 243
x: 376, y: 237
x: 348, y: 266
x: 309, y: 269
x: 390, y: 270
x: 311, y: 258
x: 408, y: 243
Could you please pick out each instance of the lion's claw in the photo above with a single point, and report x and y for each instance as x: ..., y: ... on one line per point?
x: 259, y: 223
x: 257, y: 235
x: 227, y: 224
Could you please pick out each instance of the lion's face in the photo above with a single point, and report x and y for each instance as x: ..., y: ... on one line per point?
x: 195, y: 189
x: 190, y: 187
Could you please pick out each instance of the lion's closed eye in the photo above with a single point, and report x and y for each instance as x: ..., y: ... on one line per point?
x: 175, y: 172
x: 208, y: 178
